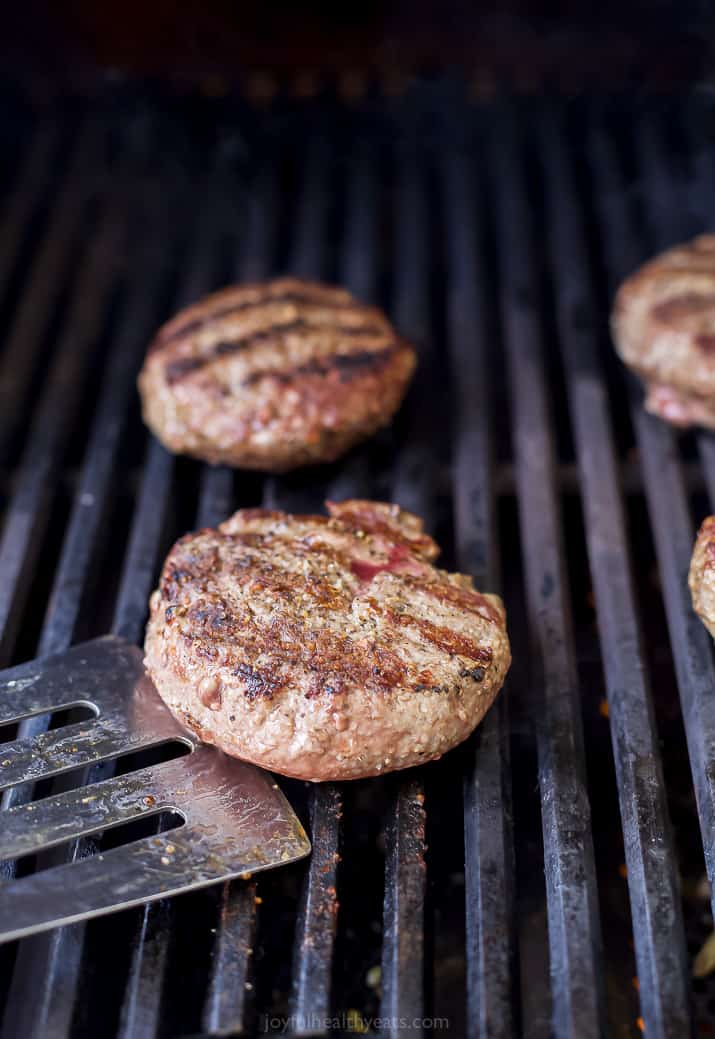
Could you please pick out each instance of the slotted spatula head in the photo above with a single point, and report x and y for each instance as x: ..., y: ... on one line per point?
x: 236, y: 820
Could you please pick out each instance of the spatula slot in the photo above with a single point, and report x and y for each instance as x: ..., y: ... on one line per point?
x: 73, y: 747
x: 151, y: 756
x: 150, y: 825
x: 54, y: 719
x: 102, y: 838
x: 134, y: 761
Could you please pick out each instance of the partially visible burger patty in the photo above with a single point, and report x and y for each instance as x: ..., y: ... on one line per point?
x: 664, y: 328
x: 702, y: 574
x: 274, y: 376
x: 324, y: 648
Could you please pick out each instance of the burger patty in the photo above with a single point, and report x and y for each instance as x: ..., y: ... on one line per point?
x: 664, y: 328
x: 702, y: 574
x: 324, y: 647
x: 273, y: 376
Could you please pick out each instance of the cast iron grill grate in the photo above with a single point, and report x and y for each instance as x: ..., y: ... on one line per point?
x: 544, y: 879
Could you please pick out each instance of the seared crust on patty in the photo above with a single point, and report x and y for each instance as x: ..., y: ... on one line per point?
x: 273, y: 376
x: 664, y: 328
x: 324, y: 648
x: 702, y: 574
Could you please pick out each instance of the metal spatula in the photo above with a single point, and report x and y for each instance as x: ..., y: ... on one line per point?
x: 236, y: 818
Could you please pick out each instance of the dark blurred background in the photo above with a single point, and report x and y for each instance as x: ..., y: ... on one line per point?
x: 262, y: 45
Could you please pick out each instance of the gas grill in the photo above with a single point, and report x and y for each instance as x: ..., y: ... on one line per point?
x: 547, y: 878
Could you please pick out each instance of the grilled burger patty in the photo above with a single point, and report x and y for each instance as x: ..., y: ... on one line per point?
x: 324, y: 648
x: 664, y: 328
x: 702, y: 574
x: 273, y: 376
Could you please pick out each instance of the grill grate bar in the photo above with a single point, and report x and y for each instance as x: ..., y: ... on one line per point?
x: 671, y: 523
x: 403, y: 912
x: 31, y: 183
x: 47, y: 278
x: 145, y: 539
x: 215, y: 496
x: 308, y: 253
x: 706, y: 446
x: 489, y: 853
x: 405, y: 865
x: 316, y: 923
x: 667, y: 224
x: 360, y: 263
x: 650, y: 856
x: 359, y: 274
x: 140, y: 1013
x: 414, y: 473
x: 225, y: 1008
x: 572, y: 904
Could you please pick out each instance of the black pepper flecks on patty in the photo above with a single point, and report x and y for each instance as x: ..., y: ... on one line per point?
x: 324, y: 647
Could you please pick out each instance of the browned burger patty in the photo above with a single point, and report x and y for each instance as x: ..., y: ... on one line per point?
x: 702, y: 574
x: 324, y: 648
x: 273, y: 376
x: 664, y: 328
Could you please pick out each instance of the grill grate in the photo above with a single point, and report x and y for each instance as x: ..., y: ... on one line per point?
x: 652, y: 877
x: 484, y: 889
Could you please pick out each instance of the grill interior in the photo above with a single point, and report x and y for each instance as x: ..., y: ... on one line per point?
x: 543, y: 879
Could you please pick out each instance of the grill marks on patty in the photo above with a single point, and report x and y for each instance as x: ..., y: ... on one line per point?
x: 234, y: 301
x: 269, y: 605
x: 691, y: 313
x: 687, y: 305
x: 467, y: 600
x: 443, y: 638
x: 387, y: 525
x: 345, y: 366
x: 274, y: 336
x: 258, y: 322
